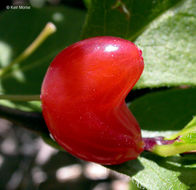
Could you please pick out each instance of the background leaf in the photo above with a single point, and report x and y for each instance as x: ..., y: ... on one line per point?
x: 123, y: 18
x: 169, y: 48
x: 18, y: 29
x: 167, y: 110
x: 164, y: 30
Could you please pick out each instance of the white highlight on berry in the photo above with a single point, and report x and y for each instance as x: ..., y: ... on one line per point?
x: 111, y: 48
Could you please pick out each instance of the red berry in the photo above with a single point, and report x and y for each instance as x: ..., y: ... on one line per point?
x: 83, y: 99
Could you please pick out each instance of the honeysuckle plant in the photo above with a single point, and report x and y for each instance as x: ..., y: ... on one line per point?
x: 165, y: 107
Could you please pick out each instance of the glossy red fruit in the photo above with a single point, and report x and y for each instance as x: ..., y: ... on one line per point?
x: 83, y: 99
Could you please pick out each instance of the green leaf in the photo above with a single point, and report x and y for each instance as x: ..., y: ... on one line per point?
x: 164, y: 111
x: 25, y: 106
x: 16, y: 37
x: 164, y: 30
x: 123, y: 18
x: 157, y: 173
x: 169, y: 48
x: 133, y: 186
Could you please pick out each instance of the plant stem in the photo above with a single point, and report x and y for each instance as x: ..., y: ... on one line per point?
x: 162, y: 147
x: 49, y: 29
x: 171, y: 149
x: 21, y: 97
x: 151, y: 142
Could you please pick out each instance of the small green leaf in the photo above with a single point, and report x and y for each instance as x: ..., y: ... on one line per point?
x: 185, y: 141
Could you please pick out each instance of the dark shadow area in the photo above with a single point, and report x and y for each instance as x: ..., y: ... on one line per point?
x: 134, y: 94
x: 160, y: 111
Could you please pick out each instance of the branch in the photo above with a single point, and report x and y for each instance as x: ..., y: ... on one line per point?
x: 29, y: 120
